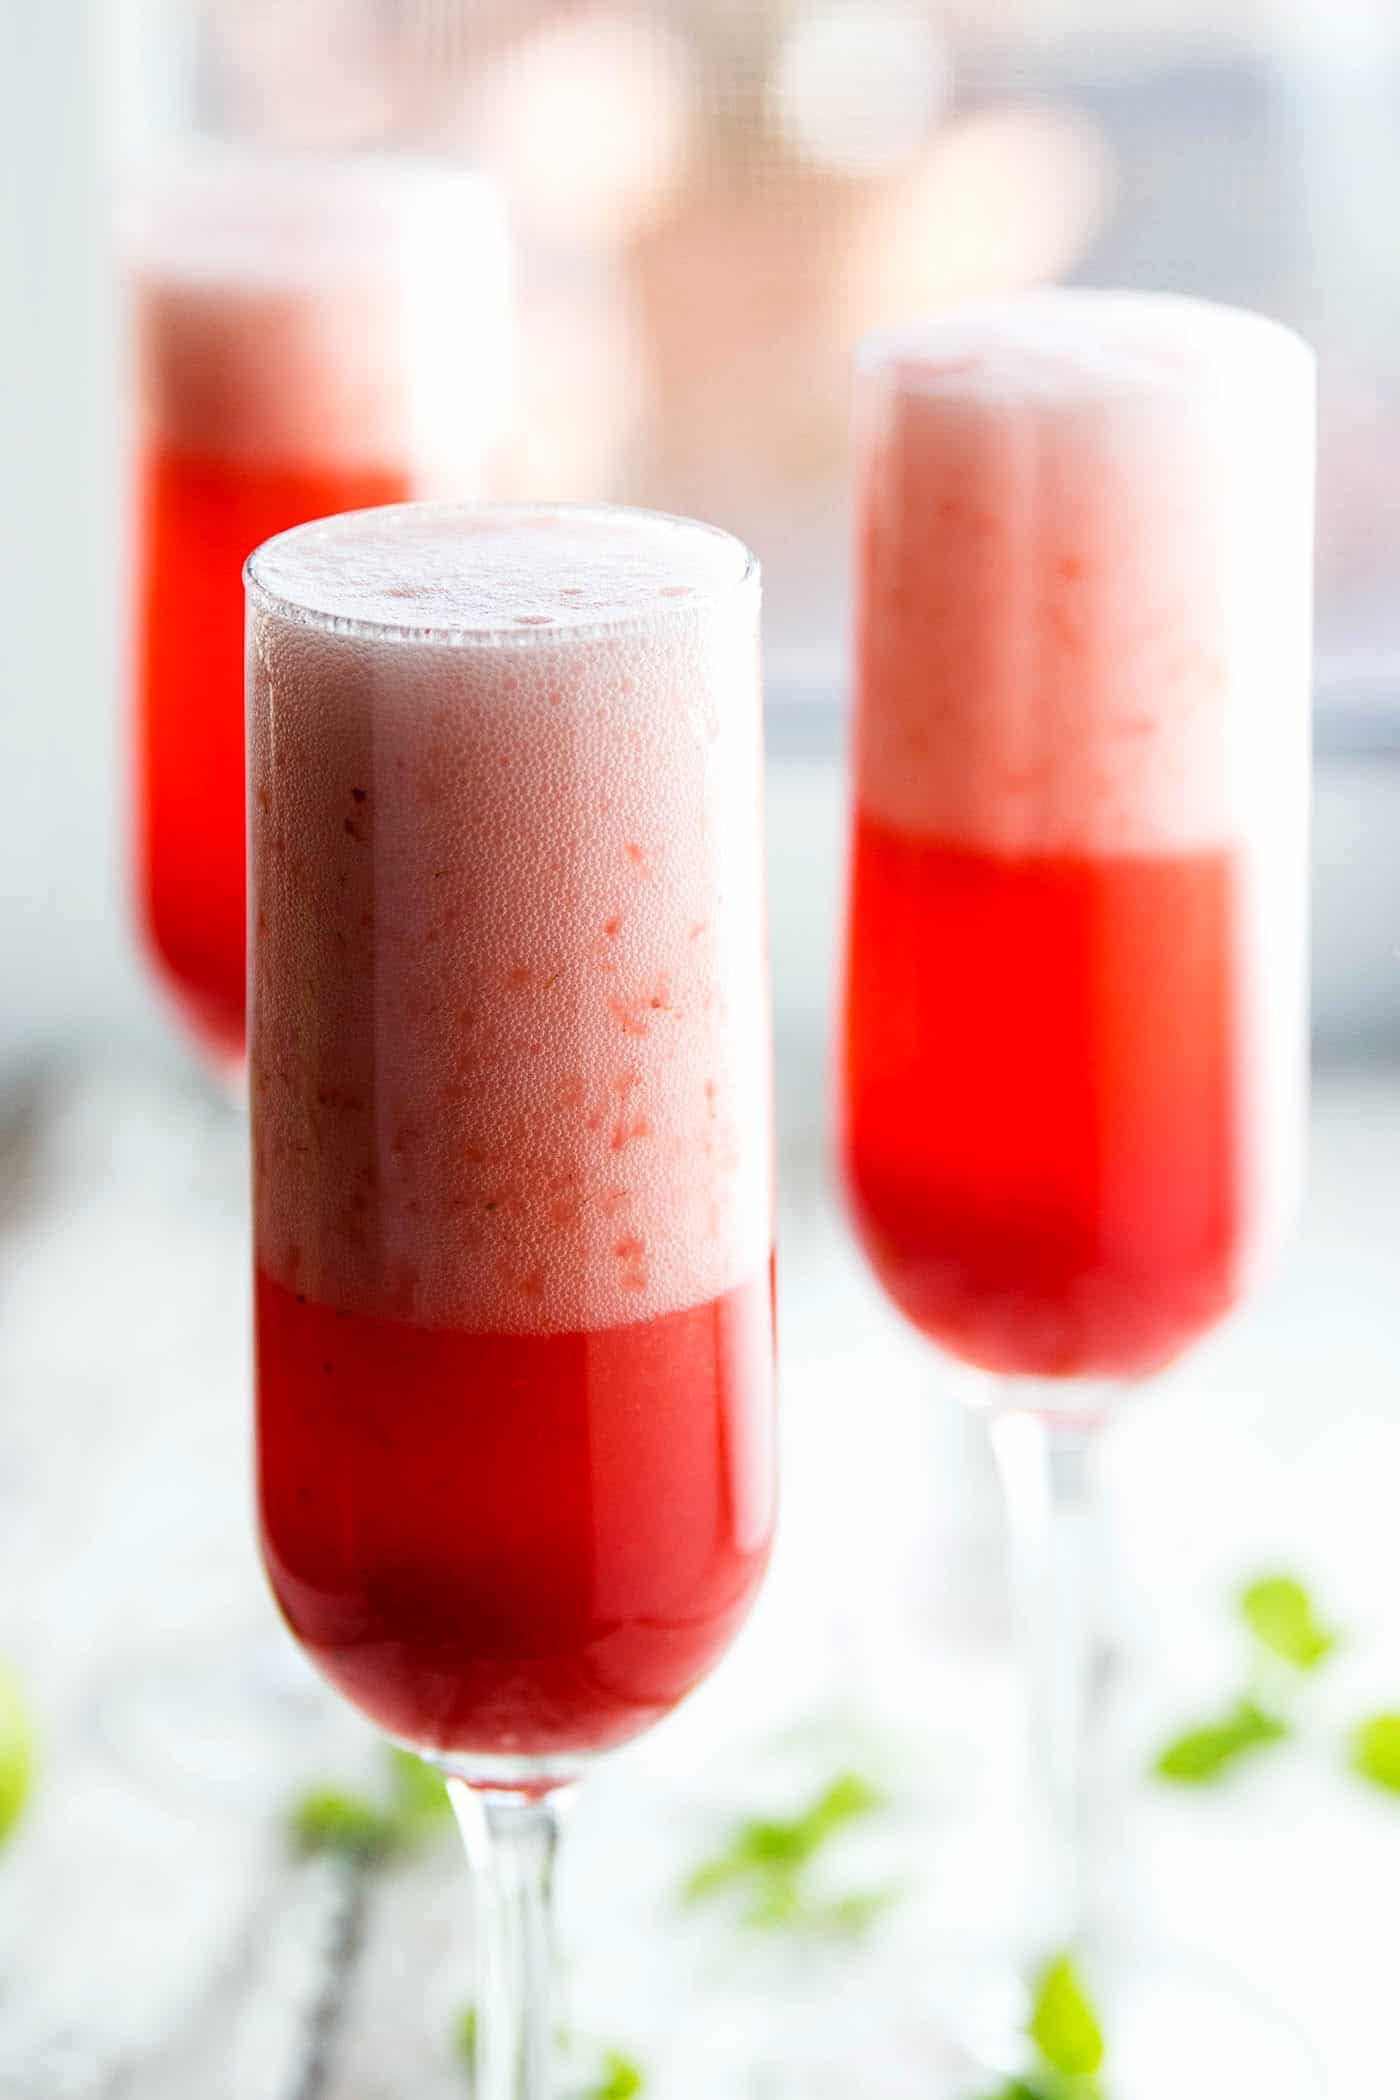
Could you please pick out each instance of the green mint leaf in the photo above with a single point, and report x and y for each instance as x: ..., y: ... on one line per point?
x: 332, y: 1819
x: 768, y: 1847
x: 418, y: 1794
x: 853, y: 1914
x: 846, y: 1800
x: 17, y: 1753
x: 1203, y: 1755
x: 1375, y: 1751
x: 1063, y: 2025
x: 776, y: 1904
x: 712, y: 1875
x: 464, y: 2037
x: 347, y: 1825
x: 619, y: 2079
x: 1280, y: 1614
x: 767, y: 1860
x: 768, y: 1843
x: 780, y: 1903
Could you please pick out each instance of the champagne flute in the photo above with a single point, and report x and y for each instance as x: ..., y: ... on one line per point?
x: 508, y: 1079
x: 309, y: 334
x: 1073, y: 1041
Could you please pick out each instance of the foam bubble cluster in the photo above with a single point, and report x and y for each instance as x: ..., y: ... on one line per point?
x: 500, y: 571
x: 1085, y: 568
x: 342, y: 313
x: 509, y: 1039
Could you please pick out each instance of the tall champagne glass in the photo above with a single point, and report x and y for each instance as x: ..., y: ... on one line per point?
x: 308, y: 335
x: 511, y: 1149
x: 1073, y: 1043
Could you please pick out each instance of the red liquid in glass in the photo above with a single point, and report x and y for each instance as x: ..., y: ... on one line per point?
x: 515, y: 1543
x: 1041, y: 1087
x: 201, y: 517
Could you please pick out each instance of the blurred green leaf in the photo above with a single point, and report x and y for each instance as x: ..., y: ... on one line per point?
x: 17, y: 1753
x: 418, y: 1794
x: 1280, y: 1614
x: 855, y: 1913
x: 464, y: 2037
x: 334, y: 1819
x: 770, y: 1850
x: 715, y: 1874
x: 776, y: 1903
x: 620, y: 2079
x: 327, y: 1820
x: 846, y: 1800
x: 1063, y: 2024
x: 1375, y: 1751
x: 1203, y: 1755
x: 768, y: 1860
x: 781, y: 1902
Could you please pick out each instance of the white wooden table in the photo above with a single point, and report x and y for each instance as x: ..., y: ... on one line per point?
x: 158, y: 1940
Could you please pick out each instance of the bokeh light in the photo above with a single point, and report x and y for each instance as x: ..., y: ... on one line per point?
x: 1007, y: 195
x: 858, y: 86
x: 590, y: 120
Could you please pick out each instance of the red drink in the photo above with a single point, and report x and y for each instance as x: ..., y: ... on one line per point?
x: 279, y: 380
x: 1073, y: 1045
x: 511, y: 1132
x: 201, y: 516
x: 1040, y: 1080
x: 544, y: 1550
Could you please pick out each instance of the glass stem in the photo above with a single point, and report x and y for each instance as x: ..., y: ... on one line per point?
x: 511, y: 1840
x: 1047, y: 1480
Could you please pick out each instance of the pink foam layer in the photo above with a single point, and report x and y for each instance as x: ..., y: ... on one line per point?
x: 1084, y: 572
x: 508, y: 1051
x: 300, y: 374
x: 303, y: 311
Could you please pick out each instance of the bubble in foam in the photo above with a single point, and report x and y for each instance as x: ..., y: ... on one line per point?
x: 508, y: 1047
x: 1084, y: 570
x: 469, y: 574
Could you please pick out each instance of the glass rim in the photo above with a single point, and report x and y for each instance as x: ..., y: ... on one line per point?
x: 494, y: 635
x: 912, y: 343
x: 202, y: 212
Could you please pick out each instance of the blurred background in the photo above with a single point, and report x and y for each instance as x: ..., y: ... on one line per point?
x: 706, y: 203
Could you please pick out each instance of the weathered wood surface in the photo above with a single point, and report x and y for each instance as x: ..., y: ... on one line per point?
x: 156, y: 1938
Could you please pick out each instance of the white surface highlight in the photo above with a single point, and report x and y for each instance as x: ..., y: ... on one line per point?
x: 347, y: 312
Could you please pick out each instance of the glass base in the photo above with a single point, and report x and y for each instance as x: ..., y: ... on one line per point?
x: 230, y: 1720
x: 951, y: 2026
